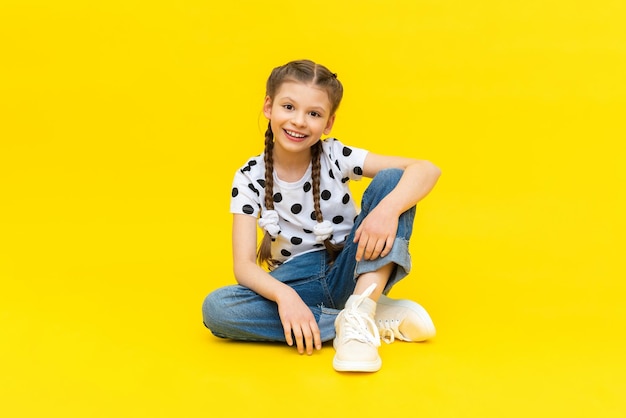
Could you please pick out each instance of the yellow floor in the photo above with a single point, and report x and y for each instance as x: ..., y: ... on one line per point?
x: 122, y: 123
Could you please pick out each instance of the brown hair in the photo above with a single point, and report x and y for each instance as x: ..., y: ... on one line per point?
x: 304, y: 71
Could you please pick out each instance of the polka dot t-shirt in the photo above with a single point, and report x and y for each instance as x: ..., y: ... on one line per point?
x: 293, y: 201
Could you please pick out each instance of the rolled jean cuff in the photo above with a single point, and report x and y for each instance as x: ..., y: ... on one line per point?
x: 326, y: 323
x: 399, y: 255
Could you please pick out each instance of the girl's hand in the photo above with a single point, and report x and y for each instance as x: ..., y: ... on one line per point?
x: 299, y: 323
x: 376, y: 234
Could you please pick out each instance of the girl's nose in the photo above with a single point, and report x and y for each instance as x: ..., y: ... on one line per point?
x: 298, y: 119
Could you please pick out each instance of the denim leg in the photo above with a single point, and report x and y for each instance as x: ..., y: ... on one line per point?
x: 239, y: 313
x: 345, y: 271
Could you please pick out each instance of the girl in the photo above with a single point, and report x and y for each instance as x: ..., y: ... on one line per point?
x: 321, y: 271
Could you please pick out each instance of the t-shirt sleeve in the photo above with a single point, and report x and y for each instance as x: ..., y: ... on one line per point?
x: 245, y: 193
x: 348, y: 160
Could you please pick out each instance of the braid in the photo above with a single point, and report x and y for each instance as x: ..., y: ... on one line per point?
x: 315, y: 174
x: 269, y: 167
x: 264, y: 253
x: 316, y: 151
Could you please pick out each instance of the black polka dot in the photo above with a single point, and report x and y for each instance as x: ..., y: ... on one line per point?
x: 337, y: 220
x: 318, y: 245
x: 313, y: 216
x: 278, y: 197
x: 331, y: 174
x: 296, y: 208
x: 285, y: 253
x: 346, y: 198
x: 261, y: 182
x: 254, y: 189
x: 306, y: 187
x: 252, y: 163
x: 296, y: 240
x: 326, y: 195
x: 337, y: 164
x: 234, y: 192
x: 247, y: 209
x: 346, y: 151
x: 307, y: 231
x: 345, y: 179
x: 358, y: 171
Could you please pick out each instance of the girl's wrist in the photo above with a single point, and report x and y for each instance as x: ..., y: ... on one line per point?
x: 283, y: 292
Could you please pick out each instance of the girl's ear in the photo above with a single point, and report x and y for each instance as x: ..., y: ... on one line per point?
x: 329, y: 125
x: 267, y: 107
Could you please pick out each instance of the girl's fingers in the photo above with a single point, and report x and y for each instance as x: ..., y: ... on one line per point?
x: 288, y: 337
x: 308, y: 340
x: 297, y: 333
x: 388, y: 244
x: 317, y: 338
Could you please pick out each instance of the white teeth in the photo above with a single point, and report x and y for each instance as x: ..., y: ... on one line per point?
x: 295, y: 135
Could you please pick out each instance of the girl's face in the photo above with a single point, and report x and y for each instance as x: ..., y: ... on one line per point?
x: 299, y: 114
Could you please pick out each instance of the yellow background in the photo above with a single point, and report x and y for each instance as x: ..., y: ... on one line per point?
x: 121, y: 125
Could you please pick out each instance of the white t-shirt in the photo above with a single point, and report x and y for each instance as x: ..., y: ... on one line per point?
x: 293, y: 201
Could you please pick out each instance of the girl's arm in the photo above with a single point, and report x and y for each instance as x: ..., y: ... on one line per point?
x: 377, y: 232
x: 297, y: 319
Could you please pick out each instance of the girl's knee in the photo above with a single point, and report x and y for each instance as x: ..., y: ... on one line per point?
x: 382, y: 183
x: 389, y: 175
x: 211, y: 309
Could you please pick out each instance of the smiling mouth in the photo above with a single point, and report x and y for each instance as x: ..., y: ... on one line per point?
x: 295, y: 134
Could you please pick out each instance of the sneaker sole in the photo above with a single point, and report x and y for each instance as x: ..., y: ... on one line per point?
x: 357, y: 366
x: 426, y: 321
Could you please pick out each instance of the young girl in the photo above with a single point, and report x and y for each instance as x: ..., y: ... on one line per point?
x: 322, y: 270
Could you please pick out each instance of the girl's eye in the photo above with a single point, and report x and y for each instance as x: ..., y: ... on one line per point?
x: 288, y: 107
x: 315, y: 114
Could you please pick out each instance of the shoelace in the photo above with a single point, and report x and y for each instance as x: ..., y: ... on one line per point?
x: 359, y: 326
x: 388, y: 329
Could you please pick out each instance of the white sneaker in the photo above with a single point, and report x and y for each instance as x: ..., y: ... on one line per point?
x: 357, y: 339
x: 403, y: 319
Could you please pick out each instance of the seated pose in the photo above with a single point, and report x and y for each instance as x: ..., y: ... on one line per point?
x: 322, y: 269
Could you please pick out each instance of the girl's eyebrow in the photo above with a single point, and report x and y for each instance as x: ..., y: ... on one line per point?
x: 289, y: 99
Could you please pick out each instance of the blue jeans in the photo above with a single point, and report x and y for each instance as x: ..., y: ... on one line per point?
x: 238, y: 313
